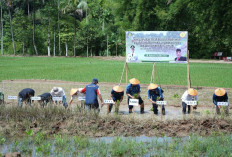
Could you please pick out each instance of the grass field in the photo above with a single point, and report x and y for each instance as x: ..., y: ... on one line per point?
x: 84, y: 69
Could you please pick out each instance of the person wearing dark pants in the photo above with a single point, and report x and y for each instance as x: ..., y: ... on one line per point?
x: 25, y: 95
x: 155, y: 93
x: 133, y: 92
x: 220, y: 95
x: 189, y: 95
x: 117, y: 96
x: 92, y: 92
x: 45, y: 99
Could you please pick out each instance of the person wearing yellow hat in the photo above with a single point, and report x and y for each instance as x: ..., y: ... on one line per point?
x: 220, y: 95
x: 133, y: 92
x: 117, y: 94
x: 189, y: 95
x: 153, y: 93
x: 75, y: 92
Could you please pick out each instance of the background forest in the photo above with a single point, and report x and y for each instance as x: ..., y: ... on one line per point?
x: 97, y: 27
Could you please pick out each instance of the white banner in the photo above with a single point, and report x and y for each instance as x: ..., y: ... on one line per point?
x: 161, y: 102
x: 222, y: 103
x: 134, y: 102
x: 57, y: 98
x: 12, y: 97
x: 192, y: 103
x: 36, y: 98
x: 108, y: 101
x: 156, y: 46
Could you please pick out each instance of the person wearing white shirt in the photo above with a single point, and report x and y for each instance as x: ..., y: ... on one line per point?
x: 189, y: 95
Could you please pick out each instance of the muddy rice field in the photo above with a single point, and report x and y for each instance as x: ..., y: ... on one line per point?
x: 202, y: 121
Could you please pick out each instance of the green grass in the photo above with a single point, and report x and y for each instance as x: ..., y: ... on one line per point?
x: 84, y: 69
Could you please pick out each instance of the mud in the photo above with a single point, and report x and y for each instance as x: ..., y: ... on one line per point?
x: 202, y: 121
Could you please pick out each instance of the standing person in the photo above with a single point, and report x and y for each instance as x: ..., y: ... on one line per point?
x: 117, y: 94
x: 189, y: 95
x: 133, y: 92
x: 155, y: 93
x: 92, y: 93
x: 220, y: 95
x: 59, y: 92
x: 75, y: 92
x: 25, y: 95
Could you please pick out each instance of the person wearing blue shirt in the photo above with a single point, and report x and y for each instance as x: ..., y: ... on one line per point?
x: 220, y: 95
x: 92, y: 92
x: 25, y: 95
x: 155, y: 93
x: 133, y: 92
x: 117, y: 94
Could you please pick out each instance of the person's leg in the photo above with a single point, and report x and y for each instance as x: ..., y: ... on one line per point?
x: 184, y: 107
x: 129, y: 106
x: 155, y: 108
x: 217, y: 110
x: 65, y: 102
x: 163, y: 110
x: 20, y: 102
x: 141, y: 105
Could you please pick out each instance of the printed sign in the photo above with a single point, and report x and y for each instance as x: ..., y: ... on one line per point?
x: 81, y: 98
x: 156, y: 46
x: 57, y: 98
x: 222, y: 103
x: 36, y: 98
x: 161, y: 102
x: 134, y: 102
x: 108, y: 101
x: 193, y: 103
x: 12, y: 97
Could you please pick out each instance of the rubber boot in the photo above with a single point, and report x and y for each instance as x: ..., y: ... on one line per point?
x: 142, y: 108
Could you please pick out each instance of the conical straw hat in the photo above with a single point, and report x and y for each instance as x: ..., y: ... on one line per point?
x: 220, y: 92
x: 152, y: 86
x: 118, y: 89
x: 192, y: 92
x: 73, y: 91
x: 134, y: 81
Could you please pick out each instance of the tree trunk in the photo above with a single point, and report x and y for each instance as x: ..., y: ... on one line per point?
x: 54, y: 49
x: 35, y: 49
x: 49, y: 52
x: 87, y: 48
x: 75, y: 33
x: 12, y: 32
x: 23, y: 48
x: 66, y: 49
x: 59, y: 25
x: 2, y: 32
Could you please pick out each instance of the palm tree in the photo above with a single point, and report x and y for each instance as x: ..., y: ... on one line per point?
x: 74, y: 8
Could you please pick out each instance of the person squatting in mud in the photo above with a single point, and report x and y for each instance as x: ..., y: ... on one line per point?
x: 25, y: 96
x: 117, y: 94
x: 45, y: 99
x: 92, y: 92
x: 155, y: 93
x: 189, y: 95
x: 59, y: 92
x: 133, y: 92
x: 220, y: 95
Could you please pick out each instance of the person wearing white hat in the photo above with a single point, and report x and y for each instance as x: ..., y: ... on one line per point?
x: 153, y: 92
x: 220, y: 95
x: 189, y: 95
x: 117, y: 94
x: 59, y: 92
x: 133, y: 92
